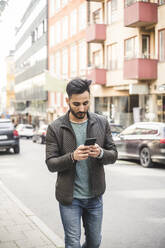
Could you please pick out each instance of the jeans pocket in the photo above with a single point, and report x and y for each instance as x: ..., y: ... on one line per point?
x: 100, y: 199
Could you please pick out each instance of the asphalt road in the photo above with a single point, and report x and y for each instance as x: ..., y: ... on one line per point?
x: 134, y: 202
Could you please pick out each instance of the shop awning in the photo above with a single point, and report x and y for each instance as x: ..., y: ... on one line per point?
x: 54, y: 84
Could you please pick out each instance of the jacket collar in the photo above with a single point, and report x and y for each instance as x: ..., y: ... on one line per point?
x: 66, y: 121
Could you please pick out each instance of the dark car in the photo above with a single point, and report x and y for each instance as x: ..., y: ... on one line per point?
x: 143, y: 141
x: 39, y: 135
x: 116, y: 128
x: 9, y: 137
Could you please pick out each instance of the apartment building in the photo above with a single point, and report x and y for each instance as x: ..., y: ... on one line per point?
x: 67, y: 47
x: 31, y: 61
x: 10, y: 79
x: 120, y: 46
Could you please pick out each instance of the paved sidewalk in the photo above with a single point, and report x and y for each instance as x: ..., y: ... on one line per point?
x: 20, y: 228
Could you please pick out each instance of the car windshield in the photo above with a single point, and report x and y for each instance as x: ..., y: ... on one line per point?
x: 6, y: 125
x: 29, y: 127
x: 117, y: 129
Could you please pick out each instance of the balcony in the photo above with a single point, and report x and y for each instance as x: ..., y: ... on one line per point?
x: 97, y: 75
x: 96, y: 33
x: 140, y: 14
x: 140, y: 69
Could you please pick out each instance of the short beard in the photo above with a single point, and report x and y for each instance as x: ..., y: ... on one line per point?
x: 77, y: 114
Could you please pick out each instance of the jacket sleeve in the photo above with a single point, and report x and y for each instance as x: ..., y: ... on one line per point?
x: 54, y: 160
x: 110, y: 151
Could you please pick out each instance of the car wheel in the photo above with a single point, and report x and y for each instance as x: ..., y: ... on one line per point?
x: 145, y: 157
x: 16, y: 149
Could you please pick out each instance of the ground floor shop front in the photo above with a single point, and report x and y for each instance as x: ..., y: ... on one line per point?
x: 128, y: 109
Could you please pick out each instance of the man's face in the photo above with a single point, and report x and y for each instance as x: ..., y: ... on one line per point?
x: 79, y: 105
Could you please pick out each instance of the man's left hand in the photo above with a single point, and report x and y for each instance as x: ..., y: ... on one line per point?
x: 95, y: 151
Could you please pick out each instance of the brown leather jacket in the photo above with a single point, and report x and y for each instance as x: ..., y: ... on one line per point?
x: 61, y: 141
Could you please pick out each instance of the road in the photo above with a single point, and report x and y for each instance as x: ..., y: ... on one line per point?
x: 134, y: 202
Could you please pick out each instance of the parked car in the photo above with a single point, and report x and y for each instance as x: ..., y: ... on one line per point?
x: 25, y: 130
x: 40, y: 135
x: 9, y: 137
x: 143, y: 141
x: 116, y: 128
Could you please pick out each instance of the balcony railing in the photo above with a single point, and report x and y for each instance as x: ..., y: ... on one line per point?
x: 96, y: 33
x: 140, y: 13
x: 143, y: 68
x: 97, y: 75
x: 127, y: 3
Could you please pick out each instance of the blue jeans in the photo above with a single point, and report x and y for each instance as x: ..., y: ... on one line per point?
x: 91, y: 212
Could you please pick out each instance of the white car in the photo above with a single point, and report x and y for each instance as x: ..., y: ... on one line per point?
x: 25, y: 130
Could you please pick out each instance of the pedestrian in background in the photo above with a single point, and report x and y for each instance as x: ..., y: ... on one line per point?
x: 81, y: 179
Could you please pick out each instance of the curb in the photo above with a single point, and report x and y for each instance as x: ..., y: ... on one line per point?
x: 55, y: 239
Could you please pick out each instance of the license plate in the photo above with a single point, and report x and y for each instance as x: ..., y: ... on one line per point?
x: 2, y: 137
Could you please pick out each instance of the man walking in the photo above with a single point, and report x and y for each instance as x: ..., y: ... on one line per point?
x: 81, y: 179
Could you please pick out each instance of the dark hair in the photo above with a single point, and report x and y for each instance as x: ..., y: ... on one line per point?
x: 78, y: 86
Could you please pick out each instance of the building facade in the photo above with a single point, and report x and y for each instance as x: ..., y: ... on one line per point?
x: 67, y: 47
x: 31, y: 61
x: 10, y: 81
x: 120, y: 46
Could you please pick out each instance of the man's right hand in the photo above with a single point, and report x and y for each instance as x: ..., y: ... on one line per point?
x: 81, y: 153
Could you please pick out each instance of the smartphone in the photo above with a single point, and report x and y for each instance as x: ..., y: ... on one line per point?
x: 90, y: 141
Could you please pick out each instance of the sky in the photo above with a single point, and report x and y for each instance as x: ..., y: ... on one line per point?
x: 8, y: 21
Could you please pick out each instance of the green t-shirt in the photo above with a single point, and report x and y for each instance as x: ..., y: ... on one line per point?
x: 82, y: 185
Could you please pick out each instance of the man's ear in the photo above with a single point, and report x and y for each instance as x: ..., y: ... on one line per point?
x: 67, y: 100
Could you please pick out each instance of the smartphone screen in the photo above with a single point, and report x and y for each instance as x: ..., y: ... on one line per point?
x: 90, y: 141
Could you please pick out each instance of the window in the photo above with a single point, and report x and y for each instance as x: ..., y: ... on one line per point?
x: 33, y: 37
x: 97, y: 62
x: 73, y: 23
x: 112, y: 56
x: 57, y: 5
x: 52, y: 36
x: 65, y: 28
x: 57, y: 32
x: 161, y: 107
x: 73, y: 62
x: 40, y: 30
x: 129, y: 131
x: 82, y: 16
x: 58, y: 99
x: 52, y: 7
x: 145, y: 46
x: 45, y: 25
x: 64, y: 2
x: 51, y: 63
x: 112, y: 11
x: 161, y: 2
x: 162, y: 45
x: 82, y: 58
x: 57, y: 64
x: 65, y: 63
x: 129, y: 2
x: 96, y: 16
x: 131, y: 48
x: 51, y: 99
